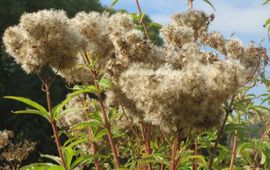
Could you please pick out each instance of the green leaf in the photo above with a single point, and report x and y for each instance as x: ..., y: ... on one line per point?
x: 154, y: 25
x: 75, y: 142
x: 267, y: 22
x: 52, y: 157
x: 266, y: 2
x: 82, y: 159
x: 28, y: 102
x: 100, y: 134
x: 209, y: 3
x: 200, y: 158
x: 105, y: 83
x: 59, y: 108
x: 113, y: 3
x: 32, y: 111
x: 42, y: 166
x: 68, y: 154
x: 87, y: 124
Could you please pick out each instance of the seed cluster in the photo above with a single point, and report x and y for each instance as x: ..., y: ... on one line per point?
x: 179, y: 85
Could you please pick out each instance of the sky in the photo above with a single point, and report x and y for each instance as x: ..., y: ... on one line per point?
x: 242, y: 18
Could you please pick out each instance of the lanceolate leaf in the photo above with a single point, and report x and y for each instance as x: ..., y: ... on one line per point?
x: 40, y: 109
x: 90, y: 123
x: 28, y: 102
x: 32, y: 111
x: 59, y: 108
x: 51, y: 157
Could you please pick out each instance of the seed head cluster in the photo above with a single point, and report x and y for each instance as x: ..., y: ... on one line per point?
x: 43, y: 38
x: 179, y: 85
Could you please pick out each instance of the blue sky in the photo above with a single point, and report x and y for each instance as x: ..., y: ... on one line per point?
x: 245, y: 18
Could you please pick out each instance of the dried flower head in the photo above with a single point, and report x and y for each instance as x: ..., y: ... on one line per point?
x: 43, y: 38
x: 180, y: 86
x: 5, y: 136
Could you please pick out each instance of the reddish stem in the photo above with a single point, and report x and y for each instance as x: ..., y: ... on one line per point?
x: 94, y: 145
x: 195, y: 165
x: 234, y: 148
x: 147, y: 142
x: 220, y: 132
x: 190, y: 4
x: 106, y: 122
x: 142, y: 20
x: 53, y: 122
x: 175, y: 148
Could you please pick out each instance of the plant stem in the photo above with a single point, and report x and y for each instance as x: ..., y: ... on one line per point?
x: 220, y: 132
x: 94, y: 145
x: 147, y: 142
x: 190, y: 4
x: 142, y: 20
x: 195, y: 165
x: 234, y: 148
x: 106, y: 122
x: 175, y: 148
x: 53, y: 122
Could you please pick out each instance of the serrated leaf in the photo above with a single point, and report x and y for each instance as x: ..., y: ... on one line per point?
x: 209, y: 3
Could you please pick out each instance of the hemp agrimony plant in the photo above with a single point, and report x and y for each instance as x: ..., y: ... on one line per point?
x: 136, y: 105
